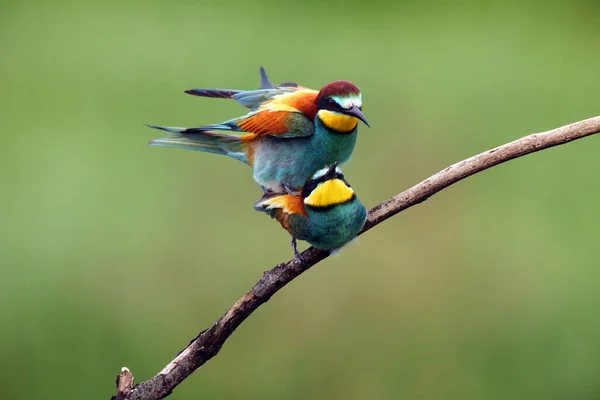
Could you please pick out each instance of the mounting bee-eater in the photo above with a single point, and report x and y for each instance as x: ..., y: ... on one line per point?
x: 327, y: 214
x: 289, y: 133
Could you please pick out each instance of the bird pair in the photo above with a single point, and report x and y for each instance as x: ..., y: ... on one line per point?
x: 293, y: 138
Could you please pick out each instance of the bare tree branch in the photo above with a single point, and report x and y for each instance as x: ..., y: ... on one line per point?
x: 208, y: 343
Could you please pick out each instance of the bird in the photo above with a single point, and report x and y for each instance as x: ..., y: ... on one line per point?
x: 289, y: 133
x: 327, y: 214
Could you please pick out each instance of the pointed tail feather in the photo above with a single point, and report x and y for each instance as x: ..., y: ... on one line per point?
x: 225, y: 126
x: 265, y: 83
x: 201, y: 140
x: 247, y: 98
x: 214, y: 93
x: 182, y: 143
x: 170, y: 129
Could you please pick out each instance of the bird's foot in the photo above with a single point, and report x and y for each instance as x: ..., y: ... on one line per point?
x: 296, y: 252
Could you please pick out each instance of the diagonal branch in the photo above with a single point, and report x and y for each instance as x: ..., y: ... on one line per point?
x: 208, y: 343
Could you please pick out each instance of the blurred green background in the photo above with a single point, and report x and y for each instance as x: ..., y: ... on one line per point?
x: 114, y: 253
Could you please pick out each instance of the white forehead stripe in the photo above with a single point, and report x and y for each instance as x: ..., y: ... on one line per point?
x: 348, y: 102
x: 320, y: 173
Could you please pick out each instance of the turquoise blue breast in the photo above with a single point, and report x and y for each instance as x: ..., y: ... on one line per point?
x: 333, y: 227
x: 293, y: 161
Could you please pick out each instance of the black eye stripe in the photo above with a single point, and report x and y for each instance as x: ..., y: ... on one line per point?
x: 327, y: 103
x: 335, y: 105
x: 309, y: 187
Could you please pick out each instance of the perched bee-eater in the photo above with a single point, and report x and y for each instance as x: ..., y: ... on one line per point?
x: 327, y: 213
x: 289, y: 133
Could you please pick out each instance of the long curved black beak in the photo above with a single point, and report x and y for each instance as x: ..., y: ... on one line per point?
x: 356, y: 112
x: 332, y: 172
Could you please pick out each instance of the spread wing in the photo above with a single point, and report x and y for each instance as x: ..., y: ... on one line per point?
x: 288, y: 210
x: 251, y: 99
x: 287, y: 115
x: 285, y: 111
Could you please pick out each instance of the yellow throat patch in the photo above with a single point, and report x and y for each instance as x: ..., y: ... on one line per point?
x: 338, y: 122
x: 329, y: 193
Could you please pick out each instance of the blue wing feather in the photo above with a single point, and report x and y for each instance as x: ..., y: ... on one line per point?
x: 214, y: 93
x: 251, y: 99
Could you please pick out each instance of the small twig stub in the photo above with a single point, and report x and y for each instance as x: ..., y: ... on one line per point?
x: 124, y: 384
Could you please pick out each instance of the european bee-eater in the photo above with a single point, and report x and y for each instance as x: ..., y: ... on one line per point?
x: 290, y: 132
x: 327, y: 213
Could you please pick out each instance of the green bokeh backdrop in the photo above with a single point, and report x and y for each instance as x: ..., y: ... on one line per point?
x: 114, y: 253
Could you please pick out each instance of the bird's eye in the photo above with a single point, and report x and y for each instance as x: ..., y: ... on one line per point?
x: 309, y: 187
